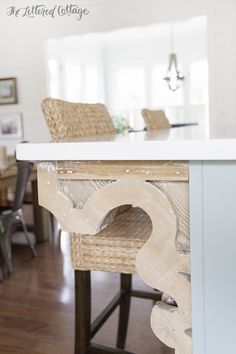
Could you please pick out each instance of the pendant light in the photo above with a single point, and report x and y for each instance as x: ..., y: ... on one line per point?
x: 174, y: 77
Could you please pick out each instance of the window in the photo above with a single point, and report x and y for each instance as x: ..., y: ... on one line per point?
x: 54, y: 78
x: 199, y: 82
x: 92, y: 91
x: 81, y: 83
x: 72, y: 81
x: 129, y: 91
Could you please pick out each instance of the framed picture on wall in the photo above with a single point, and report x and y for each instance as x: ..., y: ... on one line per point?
x: 11, y: 126
x: 8, y: 90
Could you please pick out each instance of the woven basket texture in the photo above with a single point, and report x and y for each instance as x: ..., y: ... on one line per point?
x: 68, y: 120
x: 114, y: 248
x: 155, y: 120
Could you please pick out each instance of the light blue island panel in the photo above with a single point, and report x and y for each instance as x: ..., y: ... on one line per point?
x: 213, y: 256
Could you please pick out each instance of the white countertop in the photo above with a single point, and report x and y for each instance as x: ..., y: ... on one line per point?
x: 185, y: 143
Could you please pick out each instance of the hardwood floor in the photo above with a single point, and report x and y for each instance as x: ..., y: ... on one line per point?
x: 37, y: 303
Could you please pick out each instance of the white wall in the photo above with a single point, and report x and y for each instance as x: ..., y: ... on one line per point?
x: 23, y: 39
x: 222, y: 69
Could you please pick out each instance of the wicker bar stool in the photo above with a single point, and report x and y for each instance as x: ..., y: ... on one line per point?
x: 155, y: 119
x: 68, y: 120
x: 113, y: 249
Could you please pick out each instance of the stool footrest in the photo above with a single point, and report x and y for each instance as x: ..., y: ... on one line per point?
x: 147, y: 294
x: 105, y: 314
x: 101, y: 349
x: 110, y: 308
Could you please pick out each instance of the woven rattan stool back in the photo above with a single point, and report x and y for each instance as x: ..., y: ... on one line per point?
x: 68, y: 120
x: 155, y: 120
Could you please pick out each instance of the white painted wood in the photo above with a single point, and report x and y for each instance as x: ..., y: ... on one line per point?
x: 219, y: 196
x: 197, y: 256
x: 213, y: 241
x: 186, y: 143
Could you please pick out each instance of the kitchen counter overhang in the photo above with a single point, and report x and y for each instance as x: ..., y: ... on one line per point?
x: 185, y: 143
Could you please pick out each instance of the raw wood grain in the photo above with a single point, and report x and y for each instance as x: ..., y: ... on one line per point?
x: 141, y: 170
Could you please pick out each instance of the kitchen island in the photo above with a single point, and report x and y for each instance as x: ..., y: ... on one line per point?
x: 178, y: 176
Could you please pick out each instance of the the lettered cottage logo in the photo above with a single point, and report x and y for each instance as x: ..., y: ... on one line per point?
x: 44, y: 11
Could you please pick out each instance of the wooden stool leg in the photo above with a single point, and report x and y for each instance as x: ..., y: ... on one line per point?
x: 125, y: 287
x: 82, y: 311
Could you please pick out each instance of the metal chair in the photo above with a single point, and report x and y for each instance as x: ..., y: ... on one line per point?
x: 128, y: 230
x: 155, y: 119
x: 9, y: 216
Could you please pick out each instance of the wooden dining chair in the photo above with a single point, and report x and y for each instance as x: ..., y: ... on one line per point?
x: 113, y: 249
x: 155, y: 119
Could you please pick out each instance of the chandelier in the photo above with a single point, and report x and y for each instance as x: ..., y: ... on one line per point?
x: 174, y: 77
